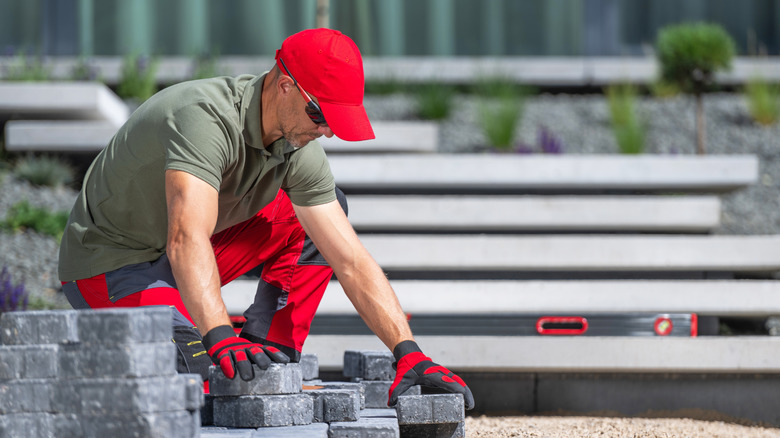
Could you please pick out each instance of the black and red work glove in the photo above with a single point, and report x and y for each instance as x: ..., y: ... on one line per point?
x: 233, y: 353
x: 415, y: 368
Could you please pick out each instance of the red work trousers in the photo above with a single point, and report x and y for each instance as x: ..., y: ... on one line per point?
x: 293, y: 280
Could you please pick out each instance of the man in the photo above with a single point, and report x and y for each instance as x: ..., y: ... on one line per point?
x: 209, y: 179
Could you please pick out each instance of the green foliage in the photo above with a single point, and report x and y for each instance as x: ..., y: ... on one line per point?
x: 384, y: 87
x: 498, y: 88
x: 500, y: 109
x: 85, y: 70
x: 44, y: 170
x: 690, y: 54
x: 663, y: 89
x: 204, y: 66
x: 435, y: 101
x: 26, y: 69
x: 137, y: 79
x: 626, y: 125
x: 763, y: 101
x: 23, y: 216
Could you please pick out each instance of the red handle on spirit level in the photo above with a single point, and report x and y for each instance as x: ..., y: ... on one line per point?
x: 566, y: 325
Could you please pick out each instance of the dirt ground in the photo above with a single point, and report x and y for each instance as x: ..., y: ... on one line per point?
x: 573, y: 426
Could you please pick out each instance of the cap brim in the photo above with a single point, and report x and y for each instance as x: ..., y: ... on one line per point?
x: 348, y: 122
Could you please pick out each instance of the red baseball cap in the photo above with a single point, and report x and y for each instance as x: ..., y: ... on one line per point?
x: 327, y: 64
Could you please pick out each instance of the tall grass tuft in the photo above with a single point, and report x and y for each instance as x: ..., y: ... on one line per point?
x: 44, y: 170
x: 500, y: 110
x: 628, y: 129
x: 763, y: 101
x: 435, y: 101
x: 13, y: 297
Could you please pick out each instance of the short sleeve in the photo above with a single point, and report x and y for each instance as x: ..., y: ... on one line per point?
x: 197, y: 142
x: 309, y: 180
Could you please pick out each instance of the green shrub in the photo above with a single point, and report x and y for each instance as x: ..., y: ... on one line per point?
x: 44, y: 171
x: 26, y: 68
x: 435, y: 101
x: 689, y: 56
x: 137, y: 80
x: 85, y: 70
x: 763, y: 101
x: 662, y: 89
x: 23, y: 216
x: 626, y: 125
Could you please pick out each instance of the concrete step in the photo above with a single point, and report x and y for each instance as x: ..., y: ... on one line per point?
x: 467, y: 173
x: 575, y: 253
x: 61, y: 100
x: 500, y: 297
x: 400, y: 136
x: 58, y: 136
x: 691, y: 214
x: 740, y: 354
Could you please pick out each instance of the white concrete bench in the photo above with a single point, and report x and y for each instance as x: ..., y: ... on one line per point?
x: 622, y: 253
x: 61, y: 100
x: 694, y: 214
x: 498, y: 297
x: 404, y: 136
x: 743, y: 354
x: 502, y: 172
x: 58, y: 136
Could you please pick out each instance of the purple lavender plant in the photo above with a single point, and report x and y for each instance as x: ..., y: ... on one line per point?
x: 548, y: 142
x: 12, y: 297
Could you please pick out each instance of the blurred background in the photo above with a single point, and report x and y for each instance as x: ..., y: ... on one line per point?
x: 380, y: 28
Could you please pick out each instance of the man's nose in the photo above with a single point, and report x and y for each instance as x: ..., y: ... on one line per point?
x: 325, y: 130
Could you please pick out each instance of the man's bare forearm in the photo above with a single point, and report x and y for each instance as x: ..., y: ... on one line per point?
x: 197, y: 278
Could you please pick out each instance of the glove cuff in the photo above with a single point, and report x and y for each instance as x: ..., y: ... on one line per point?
x: 403, y: 348
x: 217, y: 335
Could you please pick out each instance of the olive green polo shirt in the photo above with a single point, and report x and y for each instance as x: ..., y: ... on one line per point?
x: 209, y: 128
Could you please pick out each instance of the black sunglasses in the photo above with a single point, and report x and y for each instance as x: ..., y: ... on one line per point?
x: 312, y: 109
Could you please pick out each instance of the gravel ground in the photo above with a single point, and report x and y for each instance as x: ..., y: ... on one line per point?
x: 567, y: 427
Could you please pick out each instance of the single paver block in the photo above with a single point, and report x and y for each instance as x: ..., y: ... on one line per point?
x: 366, y: 428
x: 430, y: 409
x: 207, y: 411
x: 369, y: 364
x: 310, y: 366
x: 335, y: 405
x: 28, y: 361
x: 117, y: 326
x: 314, y: 430
x: 26, y: 424
x: 194, y: 398
x: 38, y: 327
x: 441, y: 430
x: 357, y: 387
x: 174, y: 424
x: 378, y: 391
x: 277, y: 379
x: 118, y: 360
x: 24, y: 396
x: 109, y: 396
x: 263, y: 410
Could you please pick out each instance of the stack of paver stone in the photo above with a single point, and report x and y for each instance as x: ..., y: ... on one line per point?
x: 333, y: 409
x: 94, y: 373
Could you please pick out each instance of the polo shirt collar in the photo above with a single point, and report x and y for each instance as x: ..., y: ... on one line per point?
x: 250, y: 107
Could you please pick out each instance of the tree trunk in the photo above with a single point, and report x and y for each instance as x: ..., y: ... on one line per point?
x: 700, y: 125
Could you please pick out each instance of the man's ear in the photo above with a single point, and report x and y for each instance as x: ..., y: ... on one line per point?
x: 284, y: 84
